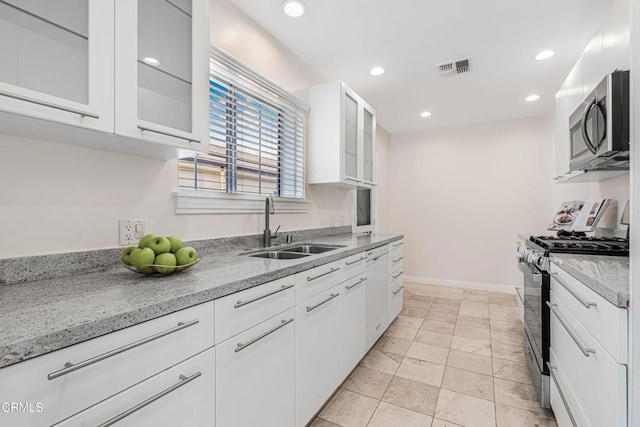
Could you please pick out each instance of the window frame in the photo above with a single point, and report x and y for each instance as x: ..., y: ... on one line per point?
x: 228, y: 199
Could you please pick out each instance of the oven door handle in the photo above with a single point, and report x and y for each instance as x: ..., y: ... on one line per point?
x: 536, y: 277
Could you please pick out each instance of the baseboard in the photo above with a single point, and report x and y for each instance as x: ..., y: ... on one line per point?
x: 493, y: 287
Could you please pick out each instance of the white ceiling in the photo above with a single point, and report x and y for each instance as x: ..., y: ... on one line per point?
x: 344, y: 39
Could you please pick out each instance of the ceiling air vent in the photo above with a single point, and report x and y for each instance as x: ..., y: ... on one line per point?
x: 453, y: 68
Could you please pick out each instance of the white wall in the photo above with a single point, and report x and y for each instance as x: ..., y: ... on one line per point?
x: 460, y: 195
x: 59, y: 198
x: 382, y: 175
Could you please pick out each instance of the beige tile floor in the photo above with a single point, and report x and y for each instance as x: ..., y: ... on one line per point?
x: 452, y: 358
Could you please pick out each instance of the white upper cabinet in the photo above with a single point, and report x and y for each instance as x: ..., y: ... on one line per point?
x: 162, y: 72
x: 57, y: 61
x: 73, y: 66
x: 342, y: 137
x: 607, y: 51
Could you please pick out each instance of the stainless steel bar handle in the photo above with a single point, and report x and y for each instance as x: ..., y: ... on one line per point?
x: 519, y: 294
x: 583, y: 348
x: 398, y: 244
x: 356, y: 261
x: 363, y: 279
x: 70, y: 367
x: 49, y: 104
x: 564, y: 400
x: 581, y: 300
x: 242, y: 346
x: 398, y: 275
x: 268, y: 294
x: 313, y: 307
x: 144, y: 128
x: 398, y: 290
x: 397, y: 259
x: 183, y: 381
x: 346, y: 178
x: 333, y: 270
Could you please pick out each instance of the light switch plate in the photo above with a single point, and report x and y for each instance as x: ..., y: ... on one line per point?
x: 131, y: 231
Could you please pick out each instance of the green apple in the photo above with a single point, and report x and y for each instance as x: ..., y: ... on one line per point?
x: 160, y: 245
x: 176, y: 243
x: 126, y: 255
x: 167, y: 259
x: 146, y: 239
x: 142, y: 256
x: 186, y: 255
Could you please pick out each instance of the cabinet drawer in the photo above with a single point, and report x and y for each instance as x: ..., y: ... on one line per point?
x: 396, y: 261
x: 255, y: 384
x: 606, y: 322
x: 563, y: 402
x: 353, y: 265
x: 311, y: 282
x: 104, y: 366
x: 395, y: 297
x: 596, y: 380
x: 242, y: 310
x: 181, y: 396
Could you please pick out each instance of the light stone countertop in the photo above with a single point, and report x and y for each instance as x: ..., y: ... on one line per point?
x: 608, y: 276
x: 43, y: 316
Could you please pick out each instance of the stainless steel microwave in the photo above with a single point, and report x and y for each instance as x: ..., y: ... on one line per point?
x: 599, y: 128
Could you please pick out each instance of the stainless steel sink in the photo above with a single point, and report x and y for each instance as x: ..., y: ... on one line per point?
x: 279, y: 255
x: 312, y: 248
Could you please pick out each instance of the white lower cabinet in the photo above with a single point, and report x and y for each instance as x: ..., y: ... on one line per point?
x: 180, y: 396
x: 316, y: 352
x: 352, y: 306
x: 395, y: 295
x: 255, y: 383
x: 593, y: 383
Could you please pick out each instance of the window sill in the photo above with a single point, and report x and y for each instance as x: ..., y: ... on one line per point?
x: 208, y: 202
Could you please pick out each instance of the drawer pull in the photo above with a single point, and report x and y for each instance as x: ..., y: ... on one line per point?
x: 143, y: 128
x: 268, y: 294
x: 395, y: 276
x: 183, y: 380
x: 356, y: 261
x: 572, y: 334
x: 355, y: 284
x: 564, y: 284
x: 70, y: 367
x: 49, y: 104
x: 519, y: 295
x: 333, y: 270
x: 313, y: 307
x: 398, y: 244
x: 398, y: 290
x: 564, y: 400
x: 242, y: 346
x: 397, y: 259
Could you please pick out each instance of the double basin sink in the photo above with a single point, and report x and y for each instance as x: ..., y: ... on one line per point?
x: 295, y: 252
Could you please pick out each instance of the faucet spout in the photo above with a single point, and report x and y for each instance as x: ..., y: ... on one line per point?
x: 268, y: 209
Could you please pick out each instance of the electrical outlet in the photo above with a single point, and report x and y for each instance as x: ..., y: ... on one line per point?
x: 131, y: 231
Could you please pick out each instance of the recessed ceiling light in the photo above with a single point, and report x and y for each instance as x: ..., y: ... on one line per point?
x: 545, y: 54
x: 151, y: 61
x: 532, y: 98
x: 425, y: 114
x: 294, y: 8
x: 377, y: 71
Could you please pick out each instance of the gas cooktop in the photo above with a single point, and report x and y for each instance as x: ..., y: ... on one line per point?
x: 580, y: 245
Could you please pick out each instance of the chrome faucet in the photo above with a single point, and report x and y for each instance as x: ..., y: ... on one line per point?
x: 266, y: 234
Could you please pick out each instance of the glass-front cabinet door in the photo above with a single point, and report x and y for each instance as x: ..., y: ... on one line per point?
x: 368, y: 137
x: 162, y: 77
x: 350, y: 137
x: 57, y: 61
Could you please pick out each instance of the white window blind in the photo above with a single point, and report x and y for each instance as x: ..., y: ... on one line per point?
x: 256, y: 136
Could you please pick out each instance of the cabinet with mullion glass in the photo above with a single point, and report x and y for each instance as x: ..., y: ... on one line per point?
x: 342, y: 137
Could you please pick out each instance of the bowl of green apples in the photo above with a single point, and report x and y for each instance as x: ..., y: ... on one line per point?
x: 159, y: 256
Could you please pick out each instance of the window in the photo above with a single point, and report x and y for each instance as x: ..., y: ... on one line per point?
x: 256, y: 133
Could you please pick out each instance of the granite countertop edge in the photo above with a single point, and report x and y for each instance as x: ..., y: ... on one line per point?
x: 614, y: 289
x: 67, y: 335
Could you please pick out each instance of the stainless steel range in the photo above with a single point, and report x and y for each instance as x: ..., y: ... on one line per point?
x: 533, y: 262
